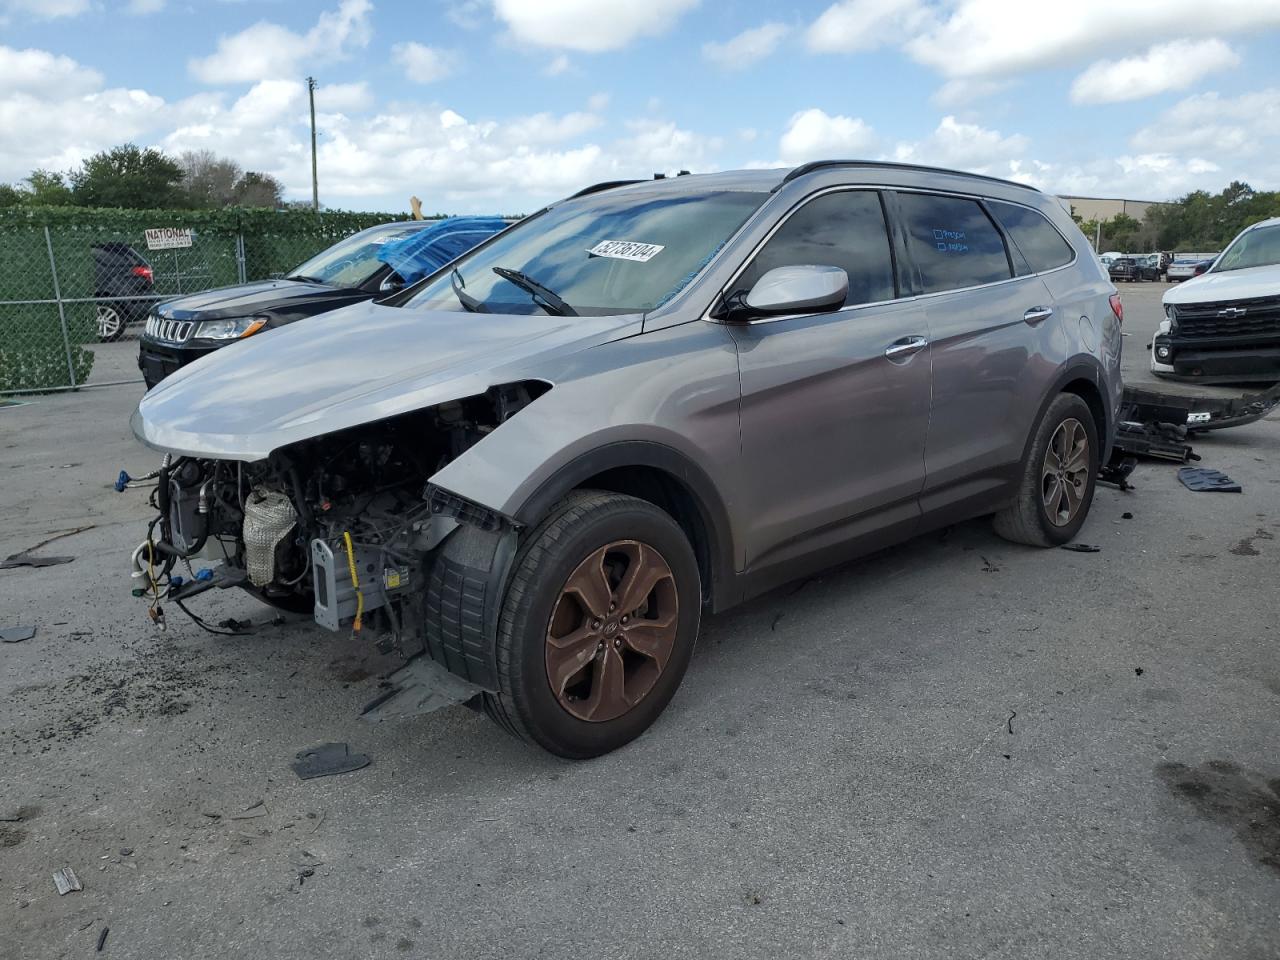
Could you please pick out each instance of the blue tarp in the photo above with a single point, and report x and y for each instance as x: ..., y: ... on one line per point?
x: 427, y: 250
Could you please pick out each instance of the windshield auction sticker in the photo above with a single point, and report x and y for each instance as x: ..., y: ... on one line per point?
x: 626, y: 250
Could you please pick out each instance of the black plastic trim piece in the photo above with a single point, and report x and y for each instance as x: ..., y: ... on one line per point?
x: 812, y: 167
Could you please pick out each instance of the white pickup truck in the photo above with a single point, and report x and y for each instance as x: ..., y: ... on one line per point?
x: 1224, y: 325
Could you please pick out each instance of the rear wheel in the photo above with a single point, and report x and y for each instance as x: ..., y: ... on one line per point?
x: 1058, y: 478
x: 597, y: 626
x: 111, y: 323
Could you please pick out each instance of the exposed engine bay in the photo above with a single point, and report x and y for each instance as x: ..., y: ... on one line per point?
x: 345, y: 525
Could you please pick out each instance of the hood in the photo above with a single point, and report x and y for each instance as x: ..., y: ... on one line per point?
x: 354, y: 365
x: 1229, y: 285
x: 247, y: 299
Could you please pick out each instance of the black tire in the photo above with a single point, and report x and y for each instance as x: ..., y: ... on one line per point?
x: 576, y: 529
x: 112, y: 322
x: 1027, y: 519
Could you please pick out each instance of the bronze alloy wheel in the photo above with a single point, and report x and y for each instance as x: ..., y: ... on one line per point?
x: 612, y: 631
x: 1064, y: 478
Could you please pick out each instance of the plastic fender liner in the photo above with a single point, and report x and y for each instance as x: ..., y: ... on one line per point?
x: 465, y: 586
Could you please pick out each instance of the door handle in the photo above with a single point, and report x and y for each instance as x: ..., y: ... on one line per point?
x: 900, y: 351
x: 1037, y: 314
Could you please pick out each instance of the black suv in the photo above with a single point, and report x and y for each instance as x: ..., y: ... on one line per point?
x: 352, y: 270
x: 123, y: 288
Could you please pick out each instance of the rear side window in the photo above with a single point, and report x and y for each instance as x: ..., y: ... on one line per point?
x: 1038, y: 241
x: 953, y: 241
x: 844, y: 229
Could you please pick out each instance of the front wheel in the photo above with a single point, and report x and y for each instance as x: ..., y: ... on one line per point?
x: 1058, y: 477
x: 597, y: 626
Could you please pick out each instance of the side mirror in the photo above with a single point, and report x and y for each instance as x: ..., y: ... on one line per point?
x: 806, y: 288
x: 391, y: 283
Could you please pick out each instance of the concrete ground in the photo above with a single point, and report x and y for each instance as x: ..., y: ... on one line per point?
x: 956, y: 748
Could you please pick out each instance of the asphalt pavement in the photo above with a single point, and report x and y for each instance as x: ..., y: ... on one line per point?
x: 955, y: 748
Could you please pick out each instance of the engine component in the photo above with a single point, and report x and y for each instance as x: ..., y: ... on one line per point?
x: 269, y: 516
x: 341, y: 597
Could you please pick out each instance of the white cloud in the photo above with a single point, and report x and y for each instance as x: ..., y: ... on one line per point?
x: 853, y: 25
x: 39, y: 71
x: 1164, y: 67
x: 141, y: 8
x: 597, y: 102
x: 343, y: 97
x: 591, y: 26
x: 467, y: 14
x: 964, y: 146
x: 815, y: 135
x: 558, y: 65
x: 1000, y: 37
x: 1210, y: 124
x: 747, y: 48
x: 45, y: 9
x: 964, y: 90
x: 267, y: 50
x: 423, y: 64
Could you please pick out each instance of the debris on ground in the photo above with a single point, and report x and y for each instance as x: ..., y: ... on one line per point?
x: 1202, y: 479
x: 16, y: 634
x: 327, y: 760
x: 254, y: 810
x: 10, y: 816
x: 1081, y: 548
x: 1126, y: 516
x: 26, y: 558
x: 1138, y: 671
x: 102, y: 938
x: 66, y: 881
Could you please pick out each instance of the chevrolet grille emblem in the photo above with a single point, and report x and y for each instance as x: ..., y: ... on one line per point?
x: 1232, y: 312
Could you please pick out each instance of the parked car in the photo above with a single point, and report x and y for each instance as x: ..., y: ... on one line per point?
x: 1224, y: 325
x: 1184, y: 266
x: 537, y: 468
x: 1147, y: 266
x: 365, y: 266
x: 1123, y: 268
x: 123, y: 288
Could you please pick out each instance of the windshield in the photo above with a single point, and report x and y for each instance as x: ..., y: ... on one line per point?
x: 1254, y: 248
x: 353, y: 261
x: 604, y: 254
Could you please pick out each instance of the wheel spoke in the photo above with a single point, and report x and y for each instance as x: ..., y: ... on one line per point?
x: 1052, y: 491
x: 1079, y: 458
x: 652, y: 638
x: 1072, y: 496
x: 608, y: 691
x: 567, y: 655
x: 646, y: 570
x: 590, y: 584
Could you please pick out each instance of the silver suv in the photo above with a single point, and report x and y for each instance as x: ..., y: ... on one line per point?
x: 537, y: 467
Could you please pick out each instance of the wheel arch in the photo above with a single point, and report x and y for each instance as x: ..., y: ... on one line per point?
x: 664, y: 477
x: 1082, y: 378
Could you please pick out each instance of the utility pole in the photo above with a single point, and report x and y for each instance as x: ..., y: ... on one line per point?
x: 315, y: 180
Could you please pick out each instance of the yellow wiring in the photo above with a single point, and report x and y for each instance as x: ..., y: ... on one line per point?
x: 355, y: 581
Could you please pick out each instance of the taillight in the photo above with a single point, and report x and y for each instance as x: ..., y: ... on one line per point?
x: 1117, y: 307
x: 143, y: 271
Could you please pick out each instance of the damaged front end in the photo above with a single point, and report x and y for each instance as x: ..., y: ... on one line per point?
x: 347, y: 526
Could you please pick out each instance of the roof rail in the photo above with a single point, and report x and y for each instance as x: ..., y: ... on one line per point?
x: 598, y: 187
x: 813, y: 166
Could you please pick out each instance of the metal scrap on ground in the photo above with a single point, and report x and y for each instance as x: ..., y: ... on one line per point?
x: 1202, y: 479
x: 16, y: 634
x: 66, y: 881
x: 326, y: 760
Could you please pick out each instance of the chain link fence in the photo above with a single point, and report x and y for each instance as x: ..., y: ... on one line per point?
x: 75, y: 292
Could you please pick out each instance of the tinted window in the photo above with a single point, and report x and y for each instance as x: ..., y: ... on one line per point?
x: 954, y: 242
x: 844, y: 230
x: 1041, y: 245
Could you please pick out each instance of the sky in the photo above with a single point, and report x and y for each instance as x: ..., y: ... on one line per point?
x: 498, y: 106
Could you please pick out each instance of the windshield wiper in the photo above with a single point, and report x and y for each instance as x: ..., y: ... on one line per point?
x: 304, y: 278
x: 469, y: 303
x: 543, y: 297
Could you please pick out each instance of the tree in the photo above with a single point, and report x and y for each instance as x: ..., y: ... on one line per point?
x: 48, y: 189
x: 130, y: 177
x: 255, y: 189
x: 11, y: 196
x: 207, y: 179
